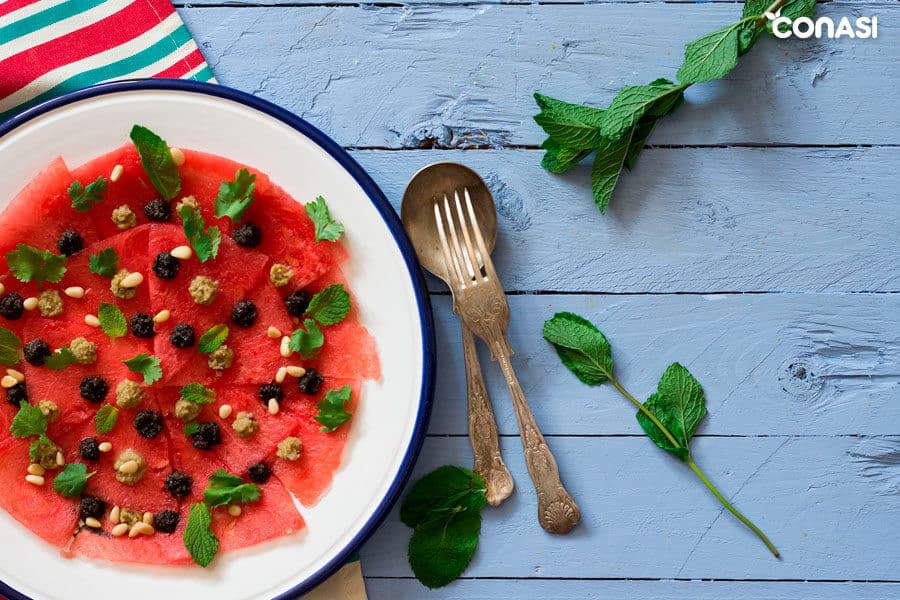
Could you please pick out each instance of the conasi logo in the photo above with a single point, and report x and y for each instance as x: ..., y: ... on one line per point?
x: 804, y: 27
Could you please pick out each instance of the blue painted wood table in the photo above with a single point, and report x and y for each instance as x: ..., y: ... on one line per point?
x: 756, y: 242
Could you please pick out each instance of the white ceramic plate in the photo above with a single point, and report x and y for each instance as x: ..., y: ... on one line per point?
x: 388, y: 427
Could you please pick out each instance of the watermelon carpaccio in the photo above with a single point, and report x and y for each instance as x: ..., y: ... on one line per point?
x: 38, y: 216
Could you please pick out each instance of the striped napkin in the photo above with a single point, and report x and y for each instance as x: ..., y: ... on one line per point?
x: 51, y: 47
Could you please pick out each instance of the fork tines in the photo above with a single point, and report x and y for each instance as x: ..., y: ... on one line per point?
x: 466, y: 265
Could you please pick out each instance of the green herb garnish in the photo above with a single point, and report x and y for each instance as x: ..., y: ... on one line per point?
x: 197, y: 393
x: 235, y: 196
x: 190, y: 429
x: 444, y: 511
x: 326, y: 228
x: 212, y: 338
x: 105, y: 263
x: 205, y: 241
x: 60, y: 359
x: 332, y: 409
x: 9, y: 347
x: 225, y: 488
x: 330, y: 306
x: 198, y: 538
x: 307, y: 341
x: 106, y: 418
x: 669, y: 417
x: 85, y: 198
x: 156, y: 158
x: 146, y: 365
x: 72, y: 480
x: 27, y: 263
x: 28, y: 421
x: 35, y: 448
x: 112, y: 320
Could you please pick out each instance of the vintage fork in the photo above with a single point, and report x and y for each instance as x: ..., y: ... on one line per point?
x: 482, y: 305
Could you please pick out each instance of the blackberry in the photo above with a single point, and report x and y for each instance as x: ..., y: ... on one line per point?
x: 267, y: 391
x: 92, y: 507
x: 259, y: 473
x: 179, y: 484
x: 36, y: 352
x: 244, y: 313
x: 248, y: 235
x: 142, y: 325
x: 311, y: 382
x: 89, y: 449
x: 166, y: 521
x: 207, y: 436
x: 16, y: 394
x: 93, y: 388
x: 297, y: 303
x: 158, y: 210
x: 182, y: 336
x: 148, y: 423
x: 69, y: 243
x: 166, y: 266
x: 12, y: 306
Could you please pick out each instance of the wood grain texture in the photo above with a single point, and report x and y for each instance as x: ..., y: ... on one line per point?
x: 458, y: 76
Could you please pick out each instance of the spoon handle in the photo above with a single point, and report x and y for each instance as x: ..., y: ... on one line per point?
x: 483, y: 428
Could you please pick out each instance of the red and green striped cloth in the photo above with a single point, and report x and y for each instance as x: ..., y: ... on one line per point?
x: 51, y: 47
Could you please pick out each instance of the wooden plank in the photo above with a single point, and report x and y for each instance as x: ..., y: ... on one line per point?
x: 457, y: 76
x: 646, y: 516
x: 770, y: 364
x: 690, y: 220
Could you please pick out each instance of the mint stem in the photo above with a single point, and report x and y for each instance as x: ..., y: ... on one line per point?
x: 695, y: 468
x: 774, y: 8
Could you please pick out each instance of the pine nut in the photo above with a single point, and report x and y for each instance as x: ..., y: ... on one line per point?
x: 234, y: 510
x: 225, y: 411
x: 273, y: 406
x: 30, y: 303
x: 274, y: 333
x: 177, y: 156
x: 295, y: 371
x: 129, y: 467
x: 148, y: 518
x: 93, y: 523
x: 114, y: 515
x: 132, y: 280
x: 120, y: 529
x: 2, y: 289
x: 286, y: 347
x: 182, y: 252
x: 141, y: 528
x: 91, y: 320
x: 280, y: 375
x: 116, y: 173
x: 74, y: 292
x: 17, y: 375
x: 105, y: 446
x: 8, y: 381
x: 35, y: 479
x: 35, y: 469
x: 162, y: 316
x: 60, y: 459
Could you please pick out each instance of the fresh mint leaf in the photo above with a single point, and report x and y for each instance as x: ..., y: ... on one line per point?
x: 572, y: 125
x: 330, y: 306
x: 9, y: 347
x: 438, y: 555
x: 112, y: 320
x: 72, y: 480
x: 635, y: 101
x: 680, y: 405
x: 332, y: 409
x: 106, y: 418
x: 581, y: 347
x: 607, y: 167
x: 795, y: 9
x: 307, y: 341
x: 27, y: 263
x: 748, y: 36
x: 642, y: 131
x: 197, y: 393
x: 212, y: 338
x: 156, y: 158
x: 225, y: 488
x: 711, y: 56
x: 60, y: 359
x: 85, y: 198
x: 558, y: 158
x: 205, y: 241
x: 191, y: 428
x: 446, y: 490
x: 326, y: 228
x: 105, y: 263
x: 235, y: 196
x: 198, y: 537
x: 28, y: 421
x: 146, y: 365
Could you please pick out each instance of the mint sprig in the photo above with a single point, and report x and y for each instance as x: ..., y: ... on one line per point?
x: 200, y: 541
x: 84, y: 198
x: 212, y: 338
x: 205, y: 241
x: 235, y: 196
x: 60, y: 359
x: 112, y: 320
x: 156, y: 158
x: 197, y: 393
x: 9, y: 347
x: 146, y: 365
x: 330, y: 306
x: 28, y: 263
x: 106, y: 418
x: 105, y: 263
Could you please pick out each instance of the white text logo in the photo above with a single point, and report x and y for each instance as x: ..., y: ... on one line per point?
x: 823, y: 27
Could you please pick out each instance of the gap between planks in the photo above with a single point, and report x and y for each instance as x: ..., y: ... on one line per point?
x: 703, y: 579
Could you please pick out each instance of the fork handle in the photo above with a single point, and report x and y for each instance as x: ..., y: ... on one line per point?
x: 483, y: 428
x: 557, y: 510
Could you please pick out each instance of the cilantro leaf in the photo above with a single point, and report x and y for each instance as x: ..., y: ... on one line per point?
x: 198, y: 538
x: 197, y: 393
x: 27, y: 263
x: 326, y: 228
x: 72, y: 480
x: 35, y: 447
x: 680, y: 405
x: 28, y: 421
x: 235, y: 196
x: 307, y: 342
x: 558, y: 158
x: 156, y: 158
x: 146, y: 365
x: 212, y: 338
x: 711, y: 56
x: 225, y: 488
x: 607, y: 167
x: 105, y: 263
x: 205, y: 243
x: 191, y: 428
x: 112, y: 321
x: 635, y: 101
x: 330, y: 306
x: 445, y: 490
x: 9, y: 347
x: 332, y: 412
x: 572, y: 125
x: 581, y: 347
x: 60, y: 359
x: 106, y: 418
x: 85, y: 198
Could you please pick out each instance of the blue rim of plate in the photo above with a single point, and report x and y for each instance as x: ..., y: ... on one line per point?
x: 377, y: 197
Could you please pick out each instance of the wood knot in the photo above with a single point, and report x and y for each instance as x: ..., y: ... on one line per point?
x: 798, y: 378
